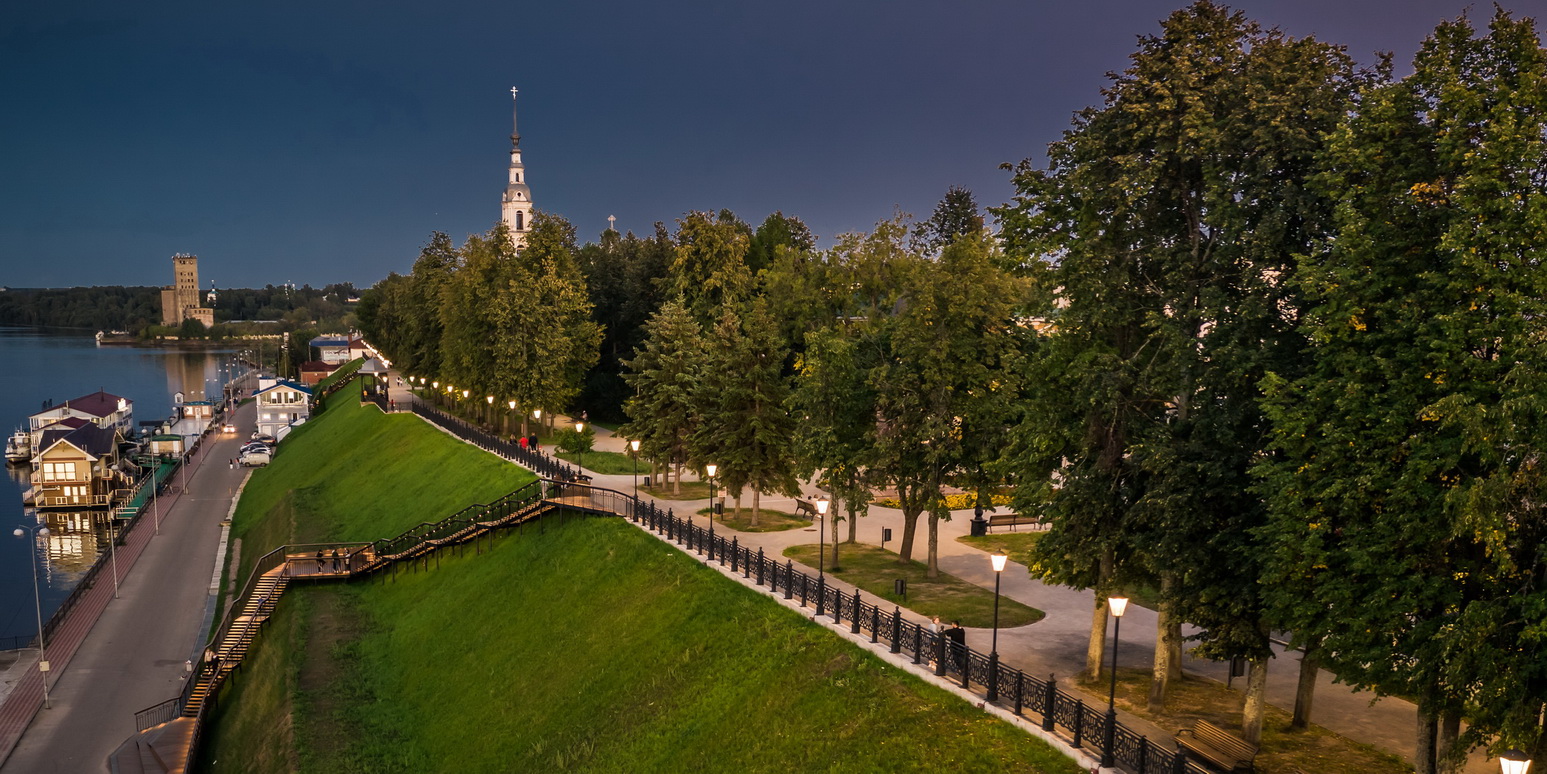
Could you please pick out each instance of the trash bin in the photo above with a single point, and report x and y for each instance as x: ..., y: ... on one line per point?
x: 900, y: 588
x: 647, y: 482
x: 979, y: 527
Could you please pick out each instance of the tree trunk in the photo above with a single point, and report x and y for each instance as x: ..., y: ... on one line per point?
x: 1256, y: 701
x: 1167, y: 648
x: 1448, y: 758
x: 1096, y: 650
x: 1423, y: 762
x: 910, y: 525
x: 676, y: 480
x: 1305, y: 690
x: 757, y: 502
x: 934, y: 547
x: 832, y: 508
x: 853, y: 526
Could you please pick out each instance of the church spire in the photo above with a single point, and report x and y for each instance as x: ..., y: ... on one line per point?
x: 516, y: 208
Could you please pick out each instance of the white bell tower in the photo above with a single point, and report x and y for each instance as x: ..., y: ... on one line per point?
x: 516, y: 208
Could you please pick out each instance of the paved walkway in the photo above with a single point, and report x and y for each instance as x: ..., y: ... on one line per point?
x: 1056, y: 645
x: 114, y: 657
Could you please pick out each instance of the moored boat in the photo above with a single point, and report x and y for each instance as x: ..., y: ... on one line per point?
x: 18, y: 448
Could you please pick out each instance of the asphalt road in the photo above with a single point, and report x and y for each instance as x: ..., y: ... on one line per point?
x: 133, y: 658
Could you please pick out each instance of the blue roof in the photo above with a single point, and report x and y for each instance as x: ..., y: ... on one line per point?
x: 285, y: 383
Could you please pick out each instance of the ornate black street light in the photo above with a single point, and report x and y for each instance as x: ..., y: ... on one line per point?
x: 821, y: 554
x: 999, y: 560
x: 1118, y: 605
x: 1514, y: 762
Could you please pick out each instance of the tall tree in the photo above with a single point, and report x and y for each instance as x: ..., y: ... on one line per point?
x: 835, y: 409
x: 709, y: 268
x: 778, y: 231
x: 957, y: 215
x: 1406, y: 484
x: 744, y: 423
x: 665, y: 377
x: 1174, y: 211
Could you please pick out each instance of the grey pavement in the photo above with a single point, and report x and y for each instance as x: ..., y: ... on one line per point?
x: 133, y: 657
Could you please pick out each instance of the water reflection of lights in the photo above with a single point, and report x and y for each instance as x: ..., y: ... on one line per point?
x: 75, y: 540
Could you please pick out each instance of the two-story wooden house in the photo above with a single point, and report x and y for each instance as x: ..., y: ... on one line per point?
x: 99, y: 408
x: 77, y: 468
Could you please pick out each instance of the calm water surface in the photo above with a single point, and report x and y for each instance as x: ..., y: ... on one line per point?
x: 37, y: 366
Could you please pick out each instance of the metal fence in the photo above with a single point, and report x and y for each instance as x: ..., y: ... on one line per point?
x: 1084, y: 726
x: 531, y: 459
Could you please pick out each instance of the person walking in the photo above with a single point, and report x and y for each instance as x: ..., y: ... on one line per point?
x: 958, y: 637
x: 231, y: 463
x: 319, y: 560
x: 335, y: 560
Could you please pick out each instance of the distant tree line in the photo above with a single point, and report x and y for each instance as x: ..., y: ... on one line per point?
x: 138, y: 309
x: 1262, y: 334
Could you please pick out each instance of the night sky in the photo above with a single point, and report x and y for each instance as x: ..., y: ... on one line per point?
x: 284, y: 142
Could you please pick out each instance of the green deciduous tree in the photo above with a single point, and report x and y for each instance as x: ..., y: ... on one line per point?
x: 665, y: 377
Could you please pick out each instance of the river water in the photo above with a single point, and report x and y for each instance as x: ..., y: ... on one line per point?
x: 37, y: 366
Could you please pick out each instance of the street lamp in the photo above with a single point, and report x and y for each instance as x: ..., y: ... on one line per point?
x: 490, y: 399
x: 41, y: 531
x: 999, y: 560
x: 710, y: 470
x: 633, y: 447
x: 1515, y: 762
x: 580, y: 445
x: 821, y: 553
x: 1118, y: 605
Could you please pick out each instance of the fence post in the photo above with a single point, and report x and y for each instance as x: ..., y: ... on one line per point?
x: 746, y: 562
x: 1048, y: 702
x: 1144, y: 754
x: 1179, y: 762
x: 993, y: 677
x: 735, y: 553
x: 1079, y: 722
x: 821, y: 595
x: 789, y: 571
x: 855, y: 628
x: 1020, y: 685
x: 918, y: 644
x: 939, y: 654
x: 896, y: 630
x: 875, y: 622
x: 760, y: 565
x: 805, y: 588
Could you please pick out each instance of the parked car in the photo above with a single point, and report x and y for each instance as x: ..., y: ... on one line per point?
x: 256, y: 458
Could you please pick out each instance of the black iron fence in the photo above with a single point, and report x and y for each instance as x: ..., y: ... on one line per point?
x: 1083, y: 725
x: 531, y: 459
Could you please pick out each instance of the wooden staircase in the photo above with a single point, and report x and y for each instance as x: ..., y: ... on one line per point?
x: 233, y: 648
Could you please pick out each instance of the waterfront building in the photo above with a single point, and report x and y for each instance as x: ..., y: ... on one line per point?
x: 180, y: 300
x: 516, y: 206
x: 282, y: 404
x: 314, y: 371
x: 99, y: 408
x: 76, y: 468
x: 331, y: 349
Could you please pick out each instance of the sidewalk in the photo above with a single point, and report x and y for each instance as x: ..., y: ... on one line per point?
x: 1056, y: 644
x: 113, y: 657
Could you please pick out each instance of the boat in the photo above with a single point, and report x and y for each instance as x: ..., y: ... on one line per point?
x: 18, y: 448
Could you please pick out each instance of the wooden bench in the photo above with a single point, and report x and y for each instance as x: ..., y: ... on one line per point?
x: 1012, y: 520
x: 1213, y: 744
x: 806, y: 507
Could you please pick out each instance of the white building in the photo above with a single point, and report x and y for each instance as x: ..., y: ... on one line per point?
x: 99, y: 408
x: 516, y: 207
x: 282, y: 404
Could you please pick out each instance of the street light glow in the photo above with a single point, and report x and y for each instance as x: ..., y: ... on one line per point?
x: 1514, y: 762
x: 999, y: 561
x: 821, y: 507
x: 1119, y: 605
x: 710, y: 469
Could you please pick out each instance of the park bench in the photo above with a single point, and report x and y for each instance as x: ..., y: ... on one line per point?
x: 1012, y: 520
x: 1211, y: 743
x: 806, y: 507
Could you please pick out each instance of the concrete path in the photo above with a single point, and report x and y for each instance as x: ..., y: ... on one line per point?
x: 128, y: 654
x: 1056, y: 645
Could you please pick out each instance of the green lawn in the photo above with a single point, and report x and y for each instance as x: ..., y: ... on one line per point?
x: 356, y: 474
x: 874, y: 570
x: 691, y: 490
x: 606, y: 463
x: 595, y: 648
x: 767, y: 520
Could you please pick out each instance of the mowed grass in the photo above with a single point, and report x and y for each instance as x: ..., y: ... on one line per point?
x: 768, y: 520
x: 593, y: 647
x: 354, y: 473
x: 953, y: 599
x: 606, y: 463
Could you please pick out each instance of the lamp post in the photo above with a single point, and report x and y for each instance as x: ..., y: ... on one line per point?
x: 510, y: 418
x: 1514, y: 762
x: 41, y: 531
x: 490, y: 399
x: 537, y: 416
x: 580, y: 445
x: 999, y: 560
x: 821, y: 554
x: 1118, y: 605
x: 633, y: 448
x: 710, y: 470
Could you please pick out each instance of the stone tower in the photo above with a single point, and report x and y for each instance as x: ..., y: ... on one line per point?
x: 516, y: 209
x: 180, y: 300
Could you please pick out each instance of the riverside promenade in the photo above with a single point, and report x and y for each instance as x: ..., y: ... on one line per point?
x: 1056, y: 645
x: 113, y: 657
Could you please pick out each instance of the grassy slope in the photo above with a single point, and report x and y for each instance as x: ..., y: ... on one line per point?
x: 582, y: 649
x: 599, y: 649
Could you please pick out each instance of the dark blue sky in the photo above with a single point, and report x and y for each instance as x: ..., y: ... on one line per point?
x: 283, y: 142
